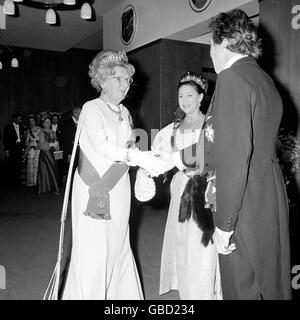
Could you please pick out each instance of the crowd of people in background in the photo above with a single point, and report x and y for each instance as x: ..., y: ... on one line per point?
x: 40, y: 146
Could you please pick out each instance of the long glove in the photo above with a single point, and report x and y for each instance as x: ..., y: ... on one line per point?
x: 146, y: 160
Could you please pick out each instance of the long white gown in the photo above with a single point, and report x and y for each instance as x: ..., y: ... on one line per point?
x: 102, y: 265
x: 186, y: 265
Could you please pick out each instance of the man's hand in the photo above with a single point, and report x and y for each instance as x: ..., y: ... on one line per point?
x: 222, y: 241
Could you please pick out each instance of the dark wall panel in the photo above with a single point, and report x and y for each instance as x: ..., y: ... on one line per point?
x: 178, y: 57
x: 281, y: 44
x: 45, y: 80
x: 158, y: 67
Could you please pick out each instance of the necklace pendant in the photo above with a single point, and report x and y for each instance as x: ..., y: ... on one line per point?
x: 120, y: 118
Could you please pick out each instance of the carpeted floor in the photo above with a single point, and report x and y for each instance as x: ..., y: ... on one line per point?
x: 29, y: 234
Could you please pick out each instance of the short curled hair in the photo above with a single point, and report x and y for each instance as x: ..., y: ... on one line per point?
x: 238, y: 29
x: 99, y: 71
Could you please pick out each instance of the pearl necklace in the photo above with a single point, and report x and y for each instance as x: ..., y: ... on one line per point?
x: 118, y: 113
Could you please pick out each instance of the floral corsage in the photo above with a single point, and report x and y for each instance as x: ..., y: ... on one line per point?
x: 209, y: 133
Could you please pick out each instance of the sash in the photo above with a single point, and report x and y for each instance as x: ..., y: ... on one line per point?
x: 98, y: 206
x: 53, y: 286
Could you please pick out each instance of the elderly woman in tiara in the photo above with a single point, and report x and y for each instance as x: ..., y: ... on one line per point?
x: 102, y: 265
x: 189, y: 261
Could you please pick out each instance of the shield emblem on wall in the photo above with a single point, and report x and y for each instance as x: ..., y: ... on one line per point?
x: 199, y: 5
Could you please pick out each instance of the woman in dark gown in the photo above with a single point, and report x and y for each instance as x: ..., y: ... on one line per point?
x: 47, y: 180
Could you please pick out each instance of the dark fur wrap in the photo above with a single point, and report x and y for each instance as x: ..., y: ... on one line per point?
x: 193, y: 204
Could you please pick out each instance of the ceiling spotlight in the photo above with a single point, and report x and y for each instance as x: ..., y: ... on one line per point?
x: 14, y: 63
x: 52, y: 7
x: 50, y: 17
x: 86, y: 11
x: 9, y: 7
x: 69, y: 2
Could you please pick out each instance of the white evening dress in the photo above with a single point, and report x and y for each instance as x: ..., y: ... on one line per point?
x: 186, y: 264
x: 102, y: 265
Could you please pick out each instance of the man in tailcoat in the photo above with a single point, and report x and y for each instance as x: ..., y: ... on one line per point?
x: 13, y: 139
x: 251, y: 218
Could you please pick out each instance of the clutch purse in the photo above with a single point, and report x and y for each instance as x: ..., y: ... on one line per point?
x: 144, y: 187
x: 58, y: 155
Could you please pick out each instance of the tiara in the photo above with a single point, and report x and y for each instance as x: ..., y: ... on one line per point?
x: 120, y: 56
x: 198, y: 79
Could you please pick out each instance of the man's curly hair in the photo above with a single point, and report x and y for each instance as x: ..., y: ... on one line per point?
x: 238, y: 29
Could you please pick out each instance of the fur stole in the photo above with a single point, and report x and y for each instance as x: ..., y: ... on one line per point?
x: 193, y: 204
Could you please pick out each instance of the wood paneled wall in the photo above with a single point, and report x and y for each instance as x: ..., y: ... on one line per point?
x: 153, y: 97
x: 45, y: 80
x: 178, y: 57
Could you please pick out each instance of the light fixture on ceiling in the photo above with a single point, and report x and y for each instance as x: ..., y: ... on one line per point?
x: 14, y: 62
x: 86, y: 11
x: 69, y: 2
x: 52, y: 6
x: 9, y: 7
x: 50, y: 16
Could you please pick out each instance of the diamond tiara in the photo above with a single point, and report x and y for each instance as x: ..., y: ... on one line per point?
x: 119, y: 56
x: 198, y: 79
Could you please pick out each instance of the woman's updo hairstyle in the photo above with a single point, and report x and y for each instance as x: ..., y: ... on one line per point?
x: 199, y: 82
x: 102, y: 66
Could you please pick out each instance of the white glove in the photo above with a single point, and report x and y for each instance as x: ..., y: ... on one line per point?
x: 146, y: 160
x: 222, y: 241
